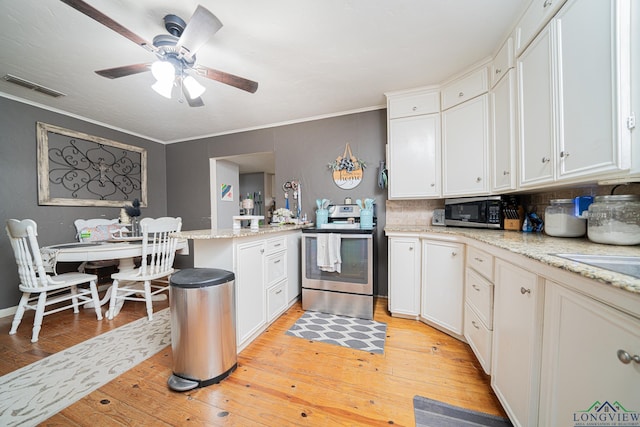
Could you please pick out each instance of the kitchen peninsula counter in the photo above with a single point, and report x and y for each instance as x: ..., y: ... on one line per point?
x: 540, y: 247
x: 228, y: 233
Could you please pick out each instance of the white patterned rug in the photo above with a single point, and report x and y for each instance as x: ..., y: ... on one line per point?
x: 37, y: 391
x: 359, y: 334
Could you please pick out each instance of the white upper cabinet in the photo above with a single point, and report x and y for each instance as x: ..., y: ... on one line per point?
x: 573, y: 82
x: 465, y: 88
x: 503, y: 135
x: 535, y: 17
x: 465, y: 135
x: 414, y: 146
x: 413, y: 104
x: 535, y: 112
x: 591, y: 83
x: 502, y: 62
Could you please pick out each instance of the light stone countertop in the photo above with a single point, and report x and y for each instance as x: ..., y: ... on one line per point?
x: 541, y: 247
x: 228, y: 233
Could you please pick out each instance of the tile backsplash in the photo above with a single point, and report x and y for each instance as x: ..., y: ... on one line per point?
x: 420, y: 212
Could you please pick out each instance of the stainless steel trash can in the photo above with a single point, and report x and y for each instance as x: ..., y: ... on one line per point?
x: 203, y: 331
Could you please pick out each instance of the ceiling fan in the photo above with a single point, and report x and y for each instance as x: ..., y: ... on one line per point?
x: 175, y: 52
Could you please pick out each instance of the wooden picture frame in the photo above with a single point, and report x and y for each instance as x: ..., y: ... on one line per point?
x: 78, y: 169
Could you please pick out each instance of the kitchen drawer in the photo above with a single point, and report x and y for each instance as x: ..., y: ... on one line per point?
x: 276, y: 244
x: 534, y: 19
x: 502, y: 63
x: 414, y: 104
x: 276, y: 265
x: 464, y: 89
x: 480, y: 261
x: 276, y: 300
x: 478, y: 337
x: 479, y: 295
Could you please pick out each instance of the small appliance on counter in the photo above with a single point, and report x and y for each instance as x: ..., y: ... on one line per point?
x: 338, y: 264
x: 478, y: 212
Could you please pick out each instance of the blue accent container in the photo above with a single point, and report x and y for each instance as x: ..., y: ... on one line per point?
x: 366, y: 218
x: 322, y: 217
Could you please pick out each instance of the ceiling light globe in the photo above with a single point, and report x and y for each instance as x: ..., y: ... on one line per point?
x: 163, y: 88
x: 163, y: 71
x: 194, y: 89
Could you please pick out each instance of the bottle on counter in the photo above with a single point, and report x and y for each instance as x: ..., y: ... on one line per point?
x: 614, y: 220
x: 561, y: 221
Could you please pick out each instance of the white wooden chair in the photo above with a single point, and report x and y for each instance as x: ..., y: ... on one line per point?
x: 47, y: 290
x: 158, y: 252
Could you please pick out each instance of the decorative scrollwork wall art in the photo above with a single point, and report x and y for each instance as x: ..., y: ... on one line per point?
x: 77, y: 169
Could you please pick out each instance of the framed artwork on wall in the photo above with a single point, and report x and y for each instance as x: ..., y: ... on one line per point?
x: 78, y: 169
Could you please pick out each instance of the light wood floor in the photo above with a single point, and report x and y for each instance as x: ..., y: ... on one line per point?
x: 280, y: 380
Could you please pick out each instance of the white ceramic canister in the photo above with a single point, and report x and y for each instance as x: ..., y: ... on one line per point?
x: 560, y: 219
x: 615, y: 220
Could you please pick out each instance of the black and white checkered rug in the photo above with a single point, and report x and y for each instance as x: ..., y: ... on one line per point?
x: 359, y: 334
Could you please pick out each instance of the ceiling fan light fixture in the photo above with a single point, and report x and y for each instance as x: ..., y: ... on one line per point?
x: 163, y: 88
x: 163, y: 71
x: 194, y: 89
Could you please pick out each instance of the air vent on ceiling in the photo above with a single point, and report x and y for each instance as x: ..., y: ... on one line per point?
x: 33, y: 86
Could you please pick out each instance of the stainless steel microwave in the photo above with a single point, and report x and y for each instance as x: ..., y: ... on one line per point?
x: 478, y: 212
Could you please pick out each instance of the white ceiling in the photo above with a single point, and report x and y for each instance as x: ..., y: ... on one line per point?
x: 311, y: 58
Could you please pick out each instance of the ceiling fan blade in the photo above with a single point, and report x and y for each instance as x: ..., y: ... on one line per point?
x: 127, y: 70
x: 94, y: 13
x: 226, y: 78
x: 202, y: 25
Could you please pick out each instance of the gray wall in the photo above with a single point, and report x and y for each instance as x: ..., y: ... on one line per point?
x: 19, y: 184
x: 302, y: 152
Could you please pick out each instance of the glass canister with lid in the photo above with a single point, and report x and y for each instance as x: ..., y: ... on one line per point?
x: 560, y: 219
x: 615, y: 220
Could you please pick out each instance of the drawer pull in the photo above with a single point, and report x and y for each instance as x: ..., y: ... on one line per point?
x: 461, y: 94
x: 279, y: 291
x: 626, y: 358
x: 498, y: 70
x: 277, y: 261
x: 478, y: 259
x: 546, y: 160
x: 564, y: 154
x: 454, y: 253
x: 505, y: 172
x: 475, y: 287
x: 475, y: 325
x: 415, y: 108
x: 546, y: 4
x: 277, y: 244
x: 525, y: 291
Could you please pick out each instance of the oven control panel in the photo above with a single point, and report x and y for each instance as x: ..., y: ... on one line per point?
x: 344, y: 211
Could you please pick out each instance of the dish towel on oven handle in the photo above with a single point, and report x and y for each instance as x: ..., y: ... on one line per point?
x: 328, y: 256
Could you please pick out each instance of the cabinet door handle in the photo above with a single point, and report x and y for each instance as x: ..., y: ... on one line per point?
x: 414, y: 108
x: 454, y: 253
x: 525, y: 291
x: 546, y: 4
x: 564, y: 154
x: 505, y: 172
x: 475, y: 325
x: 279, y: 291
x: 498, y: 70
x: 461, y: 94
x: 475, y: 287
x: 478, y: 179
x: 626, y: 358
x: 546, y: 160
x: 433, y: 184
x: 410, y: 248
x: 261, y: 251
x: 277, y: 261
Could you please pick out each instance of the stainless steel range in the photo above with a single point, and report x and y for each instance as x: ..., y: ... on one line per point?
x: 344, y: 287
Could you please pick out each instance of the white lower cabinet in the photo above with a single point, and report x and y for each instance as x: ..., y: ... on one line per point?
x: 517, y: 339
x: 404, y: 275
x: 443, y: 284
x: 588, y: 368
x: 276, y: 300
x: 250, y: 295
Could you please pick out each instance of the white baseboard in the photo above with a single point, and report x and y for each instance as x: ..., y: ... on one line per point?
x: 10, y: 311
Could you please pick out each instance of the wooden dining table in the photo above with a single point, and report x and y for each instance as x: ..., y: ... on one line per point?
x: 124, y: 249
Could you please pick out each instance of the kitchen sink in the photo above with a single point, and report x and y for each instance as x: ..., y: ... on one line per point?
x: 629, y: 265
